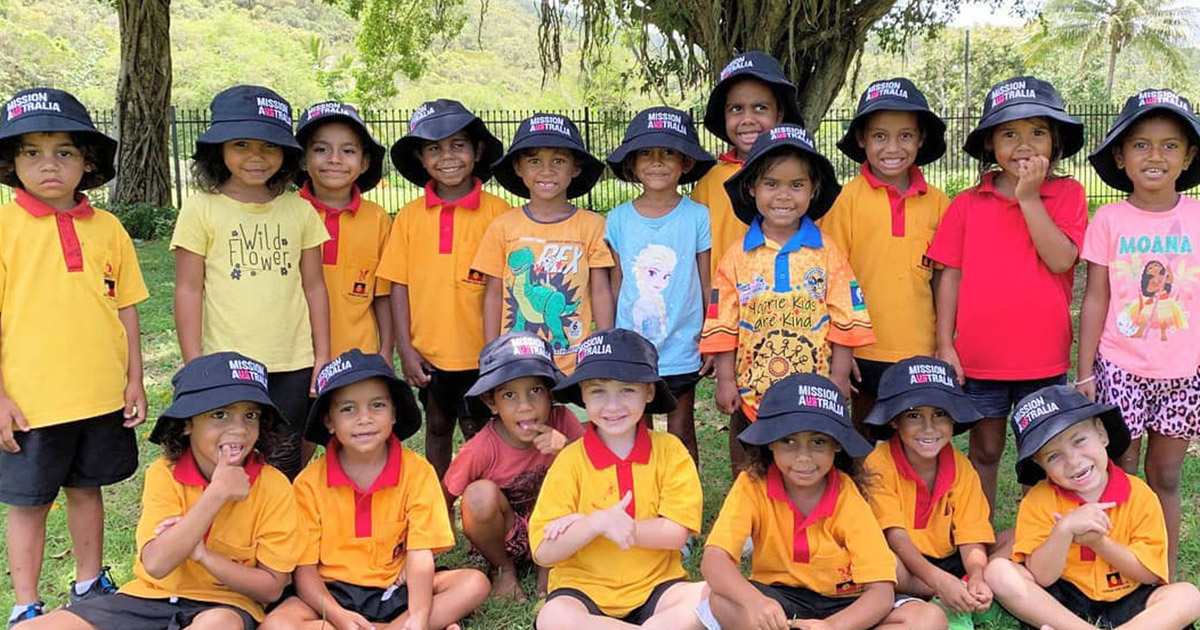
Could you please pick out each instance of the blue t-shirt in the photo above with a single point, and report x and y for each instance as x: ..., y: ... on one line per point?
x: 660, y: 288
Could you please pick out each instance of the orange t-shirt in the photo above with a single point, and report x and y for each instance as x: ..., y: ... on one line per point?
x: 709, y: 191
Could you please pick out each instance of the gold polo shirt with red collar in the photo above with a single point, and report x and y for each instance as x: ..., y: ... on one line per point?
x: 259, y: 530
x: 587, y: 477
x: 709, y: 191
x: 361, y: 536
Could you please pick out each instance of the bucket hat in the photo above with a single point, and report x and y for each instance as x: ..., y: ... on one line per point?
x: 917, y: 382
x: 1024, y: 97
x: 757, y: 65
x: 47, y: 110
x: 665, y: 128
x: 1137, y: 106
x: 318, y: 114
x: 351, y: 367
x: 509, y: 357
x: 805, y: 402
x: 780, y: 137
x: 554, y: 131
x: 899, y: 94
x: 213, y: 381
x: 438, y: 120
x: 1051, y: 410
x: 252, y: 112
x: 620, y: 355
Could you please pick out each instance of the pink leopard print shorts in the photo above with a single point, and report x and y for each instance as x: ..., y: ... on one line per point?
x: 1167, y: 406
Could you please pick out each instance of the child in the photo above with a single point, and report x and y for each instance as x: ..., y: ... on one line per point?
x: 248, y: 263
x: 70, y: 351
x: 1133, y: 352
x: 662, y: 243
x: 618, y: 505
x: 217, y: 535
x: 1010, y: 243
x: 341, y: 162
x: 371, y: 513
x: 1091, y: 543
x: 546, y: 262
x: 926, y: 495
x: 752, y: 96
x: 818, y: 551
x: 884, y: 220
x: 784, y: 300
x: 437, y: 300
x: 499, y: 472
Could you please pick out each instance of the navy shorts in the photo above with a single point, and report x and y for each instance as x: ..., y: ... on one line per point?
x: 87, y: 453
x: 801, y: 603
x: 995, y: 399
x: 951, y: 564
x: 126, y: 612
x: 680, y: 384
x: 637, y: 616
x: 1100, y: 614
x: 447, y: 390
x: 369, y: 602
x: 871, y: 372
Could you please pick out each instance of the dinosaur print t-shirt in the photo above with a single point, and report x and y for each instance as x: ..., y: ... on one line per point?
x: 544, y: 269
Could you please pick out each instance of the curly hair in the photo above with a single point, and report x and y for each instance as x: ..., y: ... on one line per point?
x: 988, y: 164
x: 759, y: 460
x: 272, y: 437
x: 85, y: 142
x: 209, y: 170
x: 772, y: 159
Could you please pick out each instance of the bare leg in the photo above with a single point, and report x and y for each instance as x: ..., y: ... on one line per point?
x: 487, y: 519
x: 1131, y: 458
x: 1015, y: 589
x: 1164, y: 469
x: 85, y: 520
x: 294, y: 614
x: 439, y: 435
x: 217, y: 619
x: 860, y: 407
x: 57, y: 620
x: 456, y: 594
x: 568, y: 612
x: 909, y: 584
x: 26, y: 546
x: 737, y: 454
x: 1170, y: 607
x: 682, y: 423
x: 987, y: 446
x: 676, y: 609
x: 923, y: 615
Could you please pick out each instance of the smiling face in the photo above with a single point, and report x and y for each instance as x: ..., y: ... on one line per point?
x: 659, y: 169
x: 50, y: 167
x: 229, y: 431
x: 615, y: 407
x: 451, y: 161
x: 523, y: 406
x: 334, y: 158
x: 804, y: 458
x: 923, y: 431
x: 1153, y: 153
x: 1076, y: 459
x: 891, y: 140
x: 361, y: 416
x: 750, y: 109
x: 547, y: 172
x: 1016, y: 141
x: 783, y: 191
x: 252, y: 163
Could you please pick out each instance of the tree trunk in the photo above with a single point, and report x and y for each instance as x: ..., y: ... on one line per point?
x: 143, y: 108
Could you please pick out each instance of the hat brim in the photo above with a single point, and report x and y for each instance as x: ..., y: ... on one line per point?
x: 962, y: 412
x: 511, y: 371
x: 1105, y: 163
x: 768, y: 429
x: 405, y: 150
x: 568, y: 390
x: 408, y: 414
x: 377, y: 152
x: 743, y: 202
x: 1029, y: 472
x: 714, y: 112
x: 703, y: 159
x: 590, y: 167
x: 932, y: 125
x: 106, y: 147
x: 222, y: 132
x: 190, y: 405
x: 1070, y: 129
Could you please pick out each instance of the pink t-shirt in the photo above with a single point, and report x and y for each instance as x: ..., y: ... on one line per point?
x: 518, y: 472
x: 1154, y: 286
x: 1014, y: 315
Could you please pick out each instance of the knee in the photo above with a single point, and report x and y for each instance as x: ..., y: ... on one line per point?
x: 217, y: 619
x: 482, y: 500
x: 476, y: 583
x: 1002, y: 577
x: 1164, y: 477
x: 923, y: 615
x: 558, y: 613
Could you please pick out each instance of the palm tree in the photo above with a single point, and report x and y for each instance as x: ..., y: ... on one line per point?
x: 1153, y: 27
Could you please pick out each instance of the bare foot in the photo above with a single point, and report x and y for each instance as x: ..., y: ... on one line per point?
x: 1047, y: 627
x: 507, y: 586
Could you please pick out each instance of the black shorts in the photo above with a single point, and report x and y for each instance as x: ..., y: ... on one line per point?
x: 681, y: 384
x: 1099, y: 614
x: 801, y: 603
x: 289, y: 392
x: 126, y: 612
x: 995, y: 399
x: 637, y: 616
x: 447, y: 390
x: 871, y: 372
x: 86, y: 453
x: 369, y: 602
x: 951, y: 564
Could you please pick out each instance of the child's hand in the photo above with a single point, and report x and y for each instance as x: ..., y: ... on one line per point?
x: 766, y: 614
x: 548, y: 440
x: 1030, y: 176
x: 318, y: 363
x: 982, y: 593
x: 1089, y: 517
x: 197, y: 552
x: 229, y: 479
x: 706, y: 365
x: 728, y: 398
x: 1087, y: 389
x: 615, y: 523
x: 954, y: 593
x: 950, y: 355
x: 558, y: 526
x: 10, y: 417
x: 414, y: 367
x: 135, y: 404
x: 350, y: 620
x: 1090, y: 538
x: 843, y: 383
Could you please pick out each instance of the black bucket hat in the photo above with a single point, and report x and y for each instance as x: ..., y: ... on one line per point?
x: 917, y: 382
x: 47, y: 110
x: 754, y: 64
x: 319, y: 114
x: 554, y: 131
x: 214, y: 381
x: 252, y: 112
x: 1024, y: 97
x: 511, y: 356
x: 1137, y: 106
x: 438, y: 120
x: 896, y: 95
x: 1051, y: 410
x: 351, y: 367
x: 805, y: 402
x: 796, y: 137
x: 620, y: 355
x: 666, y: 128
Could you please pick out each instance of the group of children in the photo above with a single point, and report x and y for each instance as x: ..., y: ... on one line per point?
x: 289, y: 308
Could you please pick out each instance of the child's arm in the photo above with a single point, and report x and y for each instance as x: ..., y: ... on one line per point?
x: 728, y: 398
x: 613, y: 523
x: 869, y: 609
x: 840, y: 362
x: 1047, y: 561
x: 1121, y: 558
x: 723, y: 577
x: 704, y: 266
x: 418, y: 570
x: 383, y: 322
x: 135, y: 391
x: 616, y: 275
x: 312, y: 590
x: 11, y: 419
x: 415, y: 368
x: 256, y: 582
x: 189, y: 297
x: 603, y: 308
x: 659, y: 533
x: 1053, y: 246
x: 975, y: 559
x: 493, y: 300
x: 313, y: 279
x: 1091, y: 323
x: 949, y: 588
x: 946, y: 305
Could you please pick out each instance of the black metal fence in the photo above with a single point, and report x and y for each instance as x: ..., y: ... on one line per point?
x: 602, y: 132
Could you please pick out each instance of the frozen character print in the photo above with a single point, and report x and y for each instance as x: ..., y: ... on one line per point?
x: 652, y: 270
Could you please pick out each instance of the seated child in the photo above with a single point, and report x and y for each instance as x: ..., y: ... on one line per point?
x: 499, y: 472
x: 218, y: 531
x: 926, y: 495
x: 617, y: 505
x: 1091, y: 540
x: 363, y: 564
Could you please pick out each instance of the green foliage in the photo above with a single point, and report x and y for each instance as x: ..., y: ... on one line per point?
x: 145, y: 221
x: 396, y: 36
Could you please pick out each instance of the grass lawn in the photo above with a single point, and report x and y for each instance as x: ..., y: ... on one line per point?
x: 162, y: 359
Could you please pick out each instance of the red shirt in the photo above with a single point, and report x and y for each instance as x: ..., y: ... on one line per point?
x: 1014, y: 315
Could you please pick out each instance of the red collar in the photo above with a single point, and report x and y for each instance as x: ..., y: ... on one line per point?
x: 731, y: 157
x: 39, y: 208
x: 352, y: 207
x: 916, y: 181
x: 1117, y: 490
x: 469, y: 200
x: 926, y: 500
x: 602, y: 457
x: 388, y: 477
x: 800, y: 521
x: 187, y: 472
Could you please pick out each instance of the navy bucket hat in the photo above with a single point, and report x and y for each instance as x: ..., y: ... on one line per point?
x: 47, y: 110
x: 553, y: 131
x: 509, y: 357
x: 754, y: 64
x: 662, y: 128
x: 250, y: 112
x: 780, y: 138
x: 896, y: 95
x: 620, y: 355
x: 351, y: 367
x: 211, y: 382
x: 805, y: 402
x: 1137, y: 106
x: 919, y: 382
x: 321, y: 113
x: 438, y: 120
x: 1051, y: 410
x: 1024, y: 97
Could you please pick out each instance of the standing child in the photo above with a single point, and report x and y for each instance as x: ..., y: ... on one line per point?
x: 884, y: 220
x: 248, y: 264
x: 546, y: 262
x: 662, y: 244
x: 499, y: 472
x: 1091, y: 542
x: 371, y: 514
x: 1009, y: 247
x: 70, y: 352
x: 1136, y: 348
x: 618, y: 505
x: 341, y: 162
x: 437, y: 299
x: 784, y: 300
x: 217, y: 535
x: 819, y: 559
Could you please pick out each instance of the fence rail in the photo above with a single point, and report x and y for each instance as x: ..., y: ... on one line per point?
x: 603, y: 132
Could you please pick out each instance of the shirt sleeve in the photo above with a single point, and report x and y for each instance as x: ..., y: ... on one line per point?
x: 598, y: 253
x: 393, y: 264
x: 383, y: 286
x: 704, y: 229
x: 850, y: 322
x: 947, y: 244
x: 309, y: 524
x: 720, y: 332
x: 466, y: 467
x: 1035, y: 519
x: 1069, y: 211
x: 313, y: 232
x: 279, y: 544
x: 612, y: 229
x: 837, y: 224
x: 971, y: 520
x: 192, y: 230
x: 1148, y: 542
x: 489, y: 258
x: 131, y: 288
x: 161, y: 499
x: 680, y: 497
x: 735, y: 522
x: 1096, y: 239
x: 559, y: 495
x: 885, y: 495
x: 428, y: 519
x: 871, y: 560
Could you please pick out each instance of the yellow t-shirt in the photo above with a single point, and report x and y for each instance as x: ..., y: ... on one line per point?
x: 587, y: 477
x: 727, y: 229
x: 253, y: 294
x: 64, y: 355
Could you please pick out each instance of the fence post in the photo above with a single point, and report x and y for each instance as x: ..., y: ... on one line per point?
x: 587, y: 140
x: 175, y: 156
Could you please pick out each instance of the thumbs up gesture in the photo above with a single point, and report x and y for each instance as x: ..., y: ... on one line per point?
x: 229, y: 478
x: 616, y: 524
